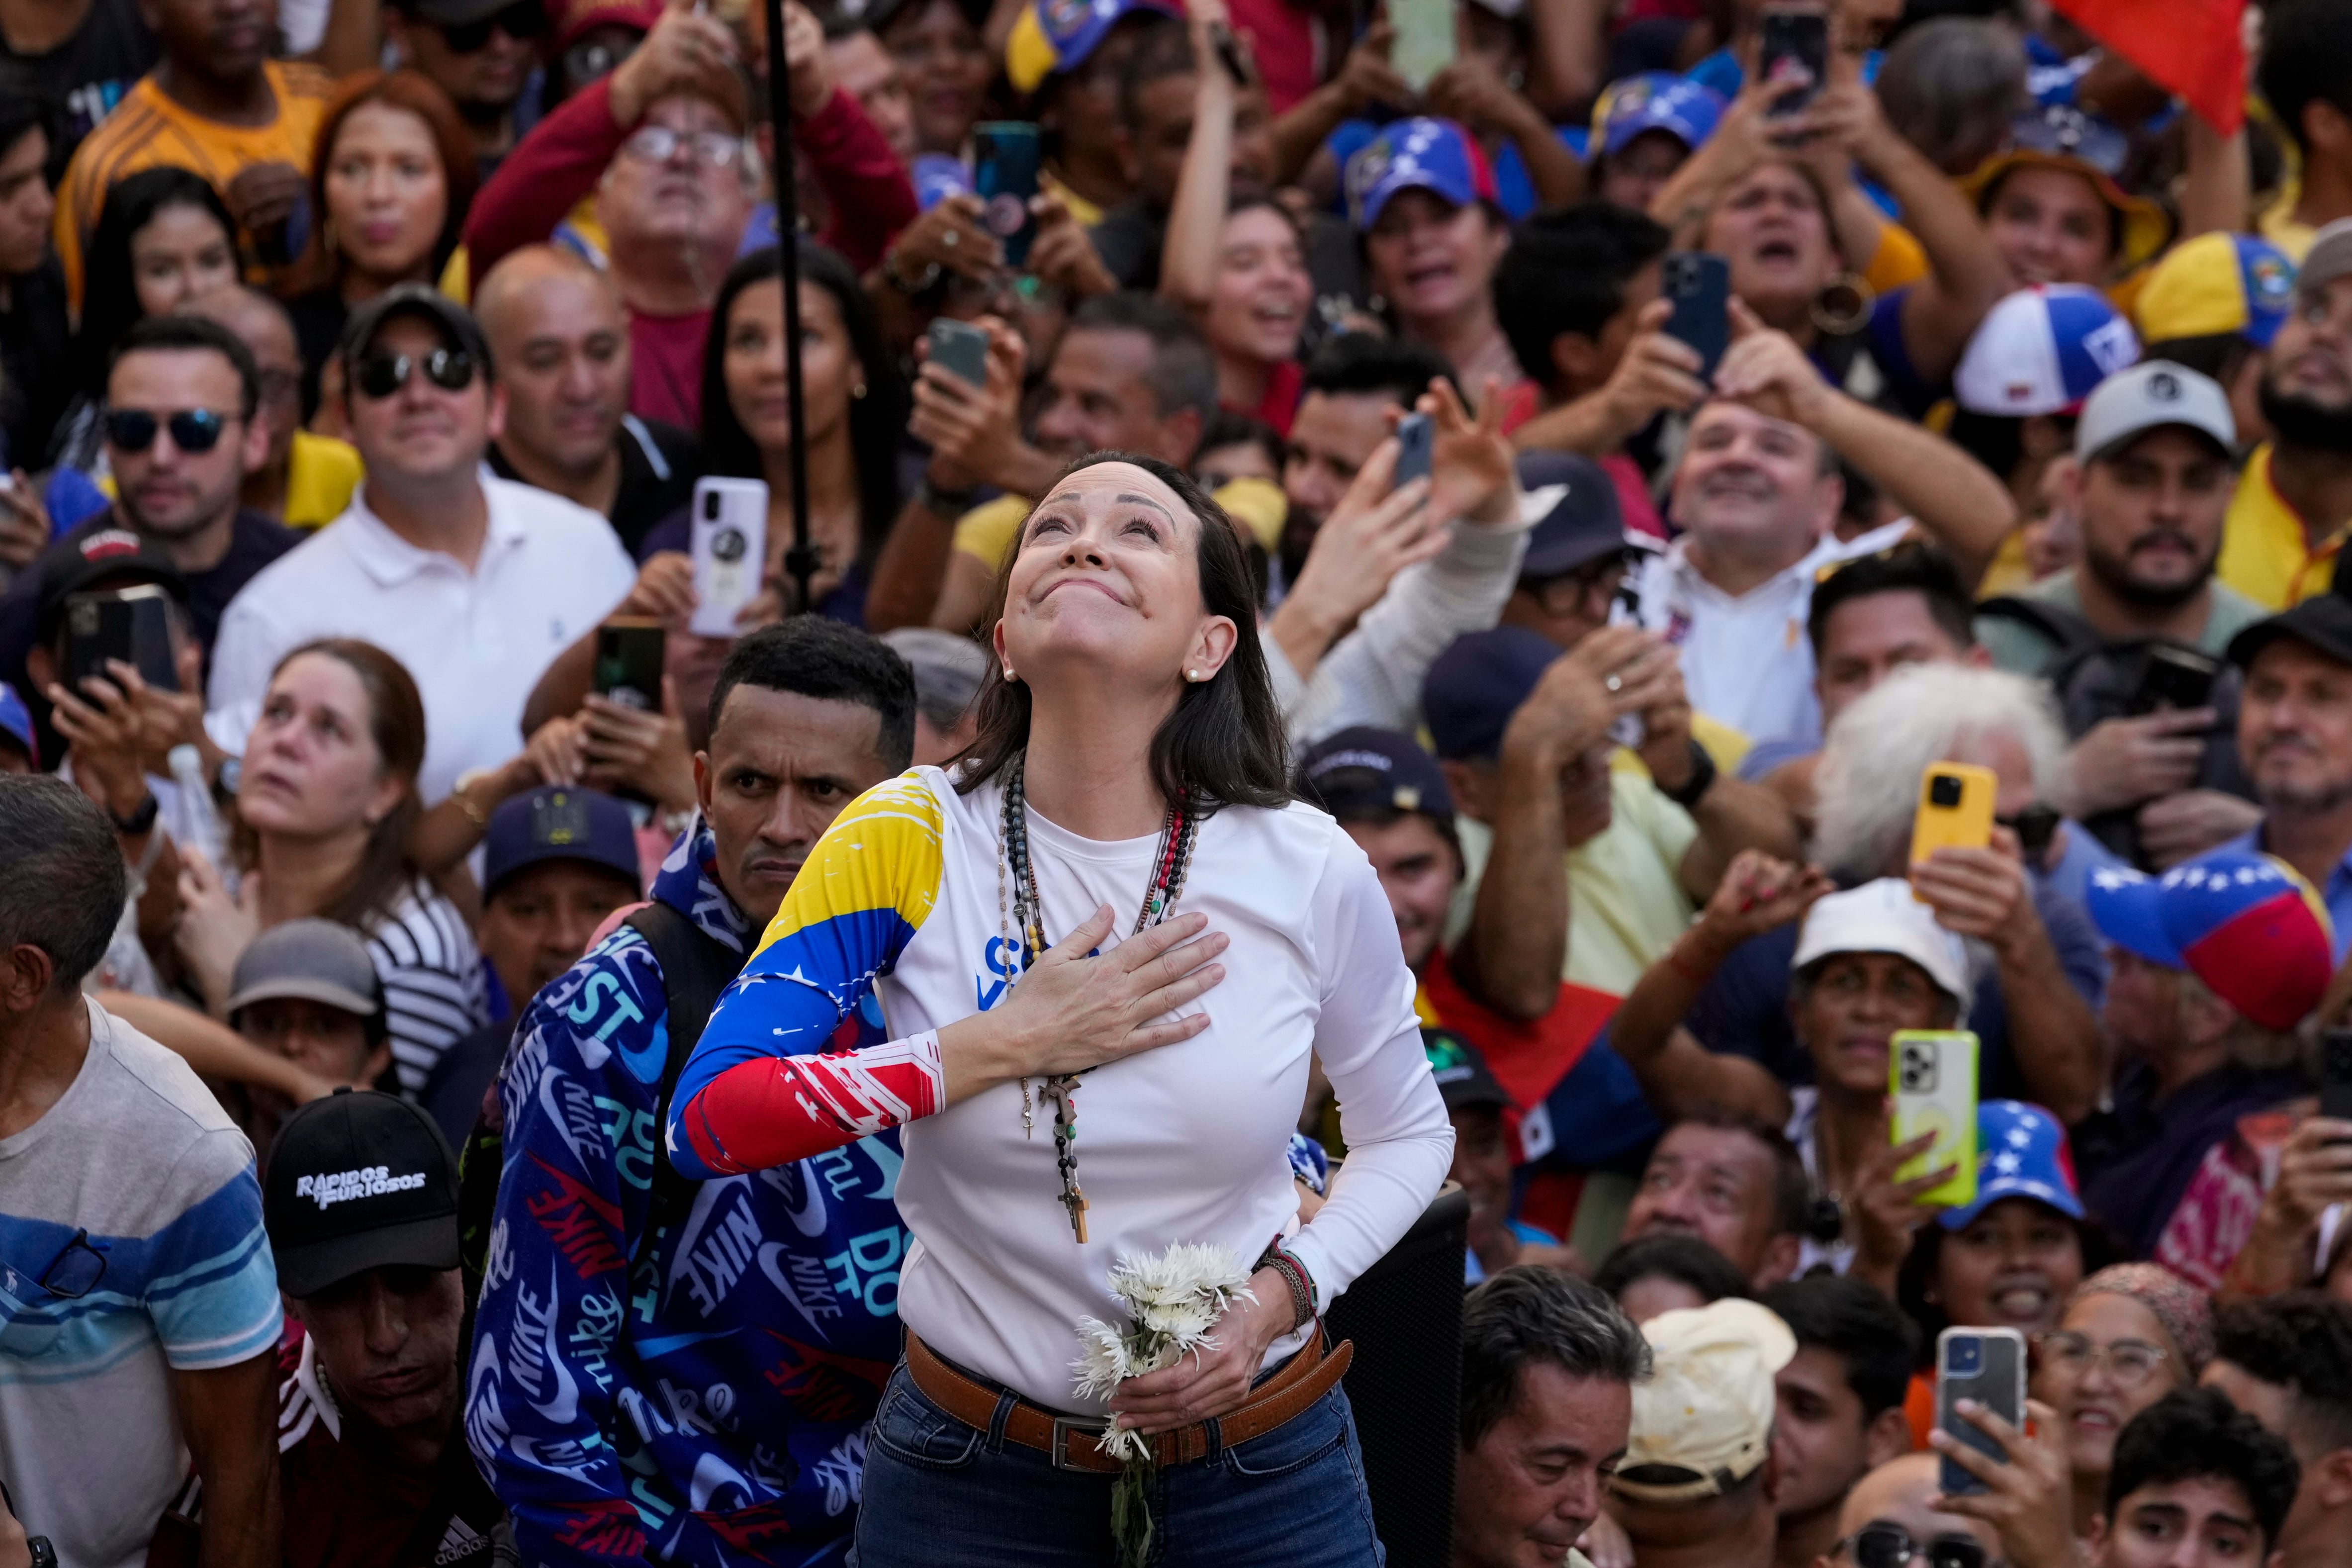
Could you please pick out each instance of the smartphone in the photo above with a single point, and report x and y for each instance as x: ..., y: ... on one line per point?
x: 133, y: 625
x: 629, y: 661
x: 960, y: 349
x: 1416, y: 443
x: 1424, y: 39
x: 1955, y: 808
x: 1005, y: 156
x: 1987, y: 1365
x: 729, y: 547
x: 1699, y: 283
x: 2175, y: 678
x: 1932, y: 1076
x: 1794, y: 45
x: 2336, y: 1073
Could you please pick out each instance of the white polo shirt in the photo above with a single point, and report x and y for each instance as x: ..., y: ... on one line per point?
x: 1747, y: 661
x: 476, y: 642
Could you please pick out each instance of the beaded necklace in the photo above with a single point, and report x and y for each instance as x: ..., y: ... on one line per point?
x: 1170, y: 863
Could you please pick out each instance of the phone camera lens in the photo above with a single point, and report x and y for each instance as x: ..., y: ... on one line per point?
x: 1944, y: 792
x: 1963, y: 1358
x: 710, y: 506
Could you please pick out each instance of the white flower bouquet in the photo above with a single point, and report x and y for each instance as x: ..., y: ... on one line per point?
x: 1171, y: 1300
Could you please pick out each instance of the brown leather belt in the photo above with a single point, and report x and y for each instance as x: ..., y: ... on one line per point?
x: 1070, y: 1440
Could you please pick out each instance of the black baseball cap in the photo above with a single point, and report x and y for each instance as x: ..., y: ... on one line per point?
x: 357, y: 1181
x: 114, y: 557
x: 1463, y: 1081
x: 1361, y: 772
x: 558, y: 822
x: 2324, y: 620
x: 1584, y: 522
x: 456, y: 324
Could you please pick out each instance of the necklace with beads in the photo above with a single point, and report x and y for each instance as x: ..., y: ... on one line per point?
x: 1027, y: 911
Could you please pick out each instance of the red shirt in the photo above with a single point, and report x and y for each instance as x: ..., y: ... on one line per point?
x: 665, y: 367
x: 1280, y: 403
x: 349, y: 1506
x: 1287, y: 45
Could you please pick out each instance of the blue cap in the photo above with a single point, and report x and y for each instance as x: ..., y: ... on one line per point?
x: 1655, y: 100
x: 1476, y: 684
x: 16, y: 722
x: 1050, y: 36
x: 2021, y: 1154
x: 1434, y: 155
x: 1361, y: 770
x: 2127, y: 906
x: 2042, y: 350
x: 558, y: 822
x: 2245, y: 924
x: 1584, y: 520
x: 938, y: 177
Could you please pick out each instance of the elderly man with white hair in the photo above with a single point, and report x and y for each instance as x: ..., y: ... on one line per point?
x: 1987, y: 939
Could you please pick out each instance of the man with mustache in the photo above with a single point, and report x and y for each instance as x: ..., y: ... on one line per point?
x: 2151, y: 483
x: 2288, y: 520
x: 1756, y: 494
x: 2295, y: 735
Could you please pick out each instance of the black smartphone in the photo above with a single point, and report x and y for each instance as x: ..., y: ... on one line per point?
x: 2335, y: 1074
x: 960, y: 349
x: 1416, y: 442
x: 2175, y: 678
x: 1005, y: 158
x: 133, y: 625
x: 629, y: 662
x: 1699, y: 283
x: 1794, y: 45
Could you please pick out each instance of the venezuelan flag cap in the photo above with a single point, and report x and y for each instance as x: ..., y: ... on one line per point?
x: 1434, y: 155
x: 1051, y: 35
x: 2245, y: 925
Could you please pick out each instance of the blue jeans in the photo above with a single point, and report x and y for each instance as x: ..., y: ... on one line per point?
x: 941, y: 1494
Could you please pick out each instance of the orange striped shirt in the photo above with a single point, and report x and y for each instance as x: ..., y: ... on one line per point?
x: 147, y: 128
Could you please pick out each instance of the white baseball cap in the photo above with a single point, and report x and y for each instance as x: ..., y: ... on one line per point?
x: 1885, y: 917
x: 1703, y: 1422
x: 2150, y: 394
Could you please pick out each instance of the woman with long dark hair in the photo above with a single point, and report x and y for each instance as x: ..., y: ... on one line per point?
x: 855, y: 416
x: 391, y: 177
x: 1125, y: 795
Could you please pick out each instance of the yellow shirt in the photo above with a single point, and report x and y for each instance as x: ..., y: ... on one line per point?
x: 148, y: 129
x: 1900, y: 260
x: 2266, y: 549
x: 321, y: 475
x: 987, y: 530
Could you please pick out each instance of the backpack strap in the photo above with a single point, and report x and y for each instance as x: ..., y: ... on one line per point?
x: 696, y: 968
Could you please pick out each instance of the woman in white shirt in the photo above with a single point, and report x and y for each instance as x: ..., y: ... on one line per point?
x: 1129, y: 758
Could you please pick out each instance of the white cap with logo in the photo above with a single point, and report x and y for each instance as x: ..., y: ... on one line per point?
x: 2152, y: 394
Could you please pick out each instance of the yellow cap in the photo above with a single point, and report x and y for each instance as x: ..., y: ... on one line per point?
x: 1259, y: 506
x: 1029, y: 57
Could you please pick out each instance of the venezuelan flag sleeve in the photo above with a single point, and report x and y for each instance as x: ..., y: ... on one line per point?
x: 762, y: 1087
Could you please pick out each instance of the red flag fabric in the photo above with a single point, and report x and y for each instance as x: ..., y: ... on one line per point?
x: 2192, y: 47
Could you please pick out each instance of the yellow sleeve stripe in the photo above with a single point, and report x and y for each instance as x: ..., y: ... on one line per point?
x: 882, y: 856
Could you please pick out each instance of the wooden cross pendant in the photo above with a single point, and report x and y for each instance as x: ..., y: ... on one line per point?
x: 1075, y: 1202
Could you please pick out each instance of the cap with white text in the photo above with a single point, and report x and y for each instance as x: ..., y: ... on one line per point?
x: 358, y: 1181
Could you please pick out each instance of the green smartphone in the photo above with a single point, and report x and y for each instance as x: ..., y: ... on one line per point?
x: 1932, y: 1074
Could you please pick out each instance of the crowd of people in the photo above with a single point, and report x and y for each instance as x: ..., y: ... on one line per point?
x: 1482, y: 526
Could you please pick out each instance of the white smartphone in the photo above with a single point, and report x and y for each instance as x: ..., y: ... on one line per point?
x: 730, y: 544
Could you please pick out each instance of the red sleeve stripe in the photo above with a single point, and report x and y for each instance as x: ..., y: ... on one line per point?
x: 779, y: 1110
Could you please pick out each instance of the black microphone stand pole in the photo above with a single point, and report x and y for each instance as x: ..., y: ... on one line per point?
x: 800, y: 559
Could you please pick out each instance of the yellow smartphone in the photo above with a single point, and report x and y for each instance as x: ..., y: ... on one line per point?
x: 1932, y: 1074
x: 1955, y: 808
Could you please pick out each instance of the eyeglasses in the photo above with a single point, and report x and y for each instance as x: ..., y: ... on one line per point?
x: 2059, y: 131
x: 1570, y: 592
x: 2035, y: 827
x: 192, y: 430
x: 2131, y: 1362
x: 584, y: 62
x: 382, y: 374
x: 1886, y: 1545
x: 523, y: 19
x: 660, y: 144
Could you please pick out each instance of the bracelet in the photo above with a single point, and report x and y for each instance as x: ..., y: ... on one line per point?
x: 1295, y: 1276
x: 474, y: 813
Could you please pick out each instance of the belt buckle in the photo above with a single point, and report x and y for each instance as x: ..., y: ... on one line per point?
x: 1064, y: 1426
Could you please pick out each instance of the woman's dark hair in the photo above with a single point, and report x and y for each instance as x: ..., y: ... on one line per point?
x: 322, y: 263
x: 1670, y: 1255
x: 110, y: 298
x: 1915, y: 1283
x: 1224, y: 744
x: 876, y: 421
x: 395, y: 721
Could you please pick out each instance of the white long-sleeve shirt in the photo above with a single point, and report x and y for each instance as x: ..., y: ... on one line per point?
x: 1188, y: 1142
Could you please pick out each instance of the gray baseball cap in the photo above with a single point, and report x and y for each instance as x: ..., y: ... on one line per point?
x: 2147, y: 396
x: 2329, y: 257
x: 314, y: 960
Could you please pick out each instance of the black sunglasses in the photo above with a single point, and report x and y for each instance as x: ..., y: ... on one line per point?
x: 77, y: 1268
x: 1884, y: 1545
x: 2035, y: 827
x: 382, y: 374
x: 192, y: 430
x: 523, y: 19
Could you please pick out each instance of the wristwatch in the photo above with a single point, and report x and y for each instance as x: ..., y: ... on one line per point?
x: 140, y: 820
x: 943, y: 503
x: 1701, y: 780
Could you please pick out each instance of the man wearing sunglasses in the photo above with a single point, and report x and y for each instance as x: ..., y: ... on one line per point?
x: 474, y: 582
x: 484, y: 54
x: 139, y: 1310
x: 1890, y: 1520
